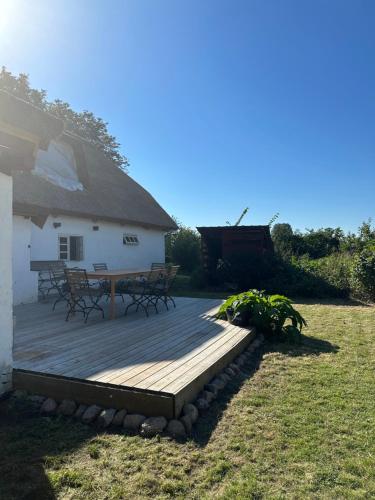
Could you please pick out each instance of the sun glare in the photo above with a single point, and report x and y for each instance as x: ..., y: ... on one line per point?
x: 22, y: 23
x: 8, y: 14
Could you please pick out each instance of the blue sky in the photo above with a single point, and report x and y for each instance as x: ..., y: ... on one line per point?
x: 219, y: 105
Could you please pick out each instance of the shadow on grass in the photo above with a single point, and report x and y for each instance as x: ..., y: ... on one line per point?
x: 308, y: 346
x: 28, y: 441
x: 330, y: 302
x: 205, y: 426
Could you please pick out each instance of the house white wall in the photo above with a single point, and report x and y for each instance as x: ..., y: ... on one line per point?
x: 104, y: 245
x: 25, y: 282
x: 6, y: 319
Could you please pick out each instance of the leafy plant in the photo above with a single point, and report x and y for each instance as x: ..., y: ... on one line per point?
x: 239, y: 220
x: 363, y: 274
x: 182, y: 247
x: 271, y: 314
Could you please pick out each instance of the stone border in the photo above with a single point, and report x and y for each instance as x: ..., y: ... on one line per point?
x: 180, y: 428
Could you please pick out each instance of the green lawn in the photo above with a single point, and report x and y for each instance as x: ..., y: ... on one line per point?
x: 302, y: 426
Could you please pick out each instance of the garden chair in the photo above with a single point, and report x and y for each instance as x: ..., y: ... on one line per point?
x: 164, y: 285
x: 142, y: 291
x: 45, y: 282
x: 59, y: 283
x: 82, y: 297
x: 106, y: 285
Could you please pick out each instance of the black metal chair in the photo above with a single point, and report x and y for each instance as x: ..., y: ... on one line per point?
x: 142, y: 292
x: 80, y: 291
x: 106, y: 285
x: 45, y: 279
x: 59, y: 283
x: 163, y: 286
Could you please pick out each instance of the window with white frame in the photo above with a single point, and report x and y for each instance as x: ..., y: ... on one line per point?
x: 130, y: 239
x: 70, y: 247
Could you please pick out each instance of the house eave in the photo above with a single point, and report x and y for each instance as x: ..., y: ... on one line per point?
x: 36, y: 211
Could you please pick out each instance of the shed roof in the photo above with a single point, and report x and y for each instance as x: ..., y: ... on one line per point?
x: 219, y: 229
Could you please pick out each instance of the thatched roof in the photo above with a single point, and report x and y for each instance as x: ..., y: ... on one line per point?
x: 109, y: 194
x: 23, y: 115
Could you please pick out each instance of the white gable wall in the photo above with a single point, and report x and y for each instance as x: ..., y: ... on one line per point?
x: 25, y: 282
x: 6, y: 318
x: 104, y: 245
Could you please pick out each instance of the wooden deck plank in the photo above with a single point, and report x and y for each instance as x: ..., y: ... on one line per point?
x: 54, y: 324
x: 182, y: 376
x: 188, y: 393
x: 161, y: 334
x: 195, y: 357
x: 168, y: 354
x: 201, y: 340
x: 129, y: 340
x: 150, y: 364
x: 98, y: 335
x: 167, y: 347
x: 57, y: 325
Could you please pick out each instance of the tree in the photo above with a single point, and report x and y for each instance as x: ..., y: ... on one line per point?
x: 182, y: 247
x: 322, y: 242
x: 366, y: 233
x: 363, y: 274
x: 283, y: 240
x: 84, y: 124
x: 315, y: 243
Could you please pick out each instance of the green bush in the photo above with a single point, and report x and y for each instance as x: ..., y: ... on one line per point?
x: 303, y: 277
x: 333, y: 272
x: 268, y: 313
x: 363, y: 275
x: 183, y: 248
x: 306, y: 278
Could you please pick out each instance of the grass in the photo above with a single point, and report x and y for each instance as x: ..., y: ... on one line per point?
x: 302, y: 426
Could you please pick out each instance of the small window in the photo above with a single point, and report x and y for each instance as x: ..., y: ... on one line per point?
x: 130, y: 239
x: 71, y: 248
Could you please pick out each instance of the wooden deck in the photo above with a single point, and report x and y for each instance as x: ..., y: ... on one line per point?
x: 148, y: 365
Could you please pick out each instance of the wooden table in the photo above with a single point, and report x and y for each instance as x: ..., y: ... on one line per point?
x: 112, y: 277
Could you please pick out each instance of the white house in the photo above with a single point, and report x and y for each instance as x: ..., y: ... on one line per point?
x: 20, y: 132
x: 6, y: 326
x: 76, y: 205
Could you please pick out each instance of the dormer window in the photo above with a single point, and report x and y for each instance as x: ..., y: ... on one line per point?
x: 58, y: 166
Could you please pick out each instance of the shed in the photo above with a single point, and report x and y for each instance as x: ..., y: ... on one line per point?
x: 225, y: 242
